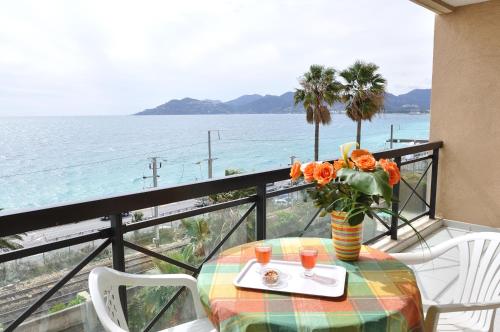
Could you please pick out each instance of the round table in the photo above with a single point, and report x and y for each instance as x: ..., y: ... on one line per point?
x: 382, y: 294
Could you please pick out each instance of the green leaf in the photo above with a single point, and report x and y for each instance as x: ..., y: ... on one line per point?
x: 356, y: 218
x: 369, y: 183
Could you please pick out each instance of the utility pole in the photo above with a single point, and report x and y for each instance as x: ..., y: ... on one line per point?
x: 292, y: 160
x: 210, y: 159
x: 209, y: 154
x: 154, y: 166
x: 392, y: 136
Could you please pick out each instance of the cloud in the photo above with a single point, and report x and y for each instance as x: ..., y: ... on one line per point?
x: 119, y: 57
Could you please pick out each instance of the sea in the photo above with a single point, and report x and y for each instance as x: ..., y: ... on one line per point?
x: 53, y: 160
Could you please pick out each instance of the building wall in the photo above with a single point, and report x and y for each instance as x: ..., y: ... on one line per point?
x: 465, y: 113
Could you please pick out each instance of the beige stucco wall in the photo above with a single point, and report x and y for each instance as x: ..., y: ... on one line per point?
x: 465, y: 113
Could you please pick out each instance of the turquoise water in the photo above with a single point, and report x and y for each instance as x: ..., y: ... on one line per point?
x: 49, y: 160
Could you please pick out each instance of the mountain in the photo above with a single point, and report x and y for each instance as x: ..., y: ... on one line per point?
x: 245, y: 99
x: 417, y: 100
x: 270, y: 104
x: 189, y: 106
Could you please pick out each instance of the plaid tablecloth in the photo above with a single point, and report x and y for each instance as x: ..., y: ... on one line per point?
x: 382, y: 294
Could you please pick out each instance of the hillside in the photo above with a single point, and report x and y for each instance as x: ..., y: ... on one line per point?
x: 417, y: 100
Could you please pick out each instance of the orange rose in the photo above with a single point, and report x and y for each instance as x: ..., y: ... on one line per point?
x: 295, y: 171
x: 355, y: 154
x: 366, y: 162
x: 338, y: 164
x: 392, y: 169
x: 308, y: 171
x: 324, y: 173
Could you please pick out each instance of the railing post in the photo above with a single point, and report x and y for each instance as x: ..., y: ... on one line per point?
x: 119, y: 255
x: 395, y: 205
x: 260, y: 227
x: 434, y: 177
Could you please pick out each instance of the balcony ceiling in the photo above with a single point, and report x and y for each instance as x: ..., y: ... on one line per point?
x: 445, y: 6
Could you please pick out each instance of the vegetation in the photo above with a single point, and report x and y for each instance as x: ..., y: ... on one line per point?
x: 146, y: 302
x: 204, y: 233
x: 57, y: 307
x: 46, y: 264
x: 363, y: 93
x: 10, y: 242
x: 232, y: 195
x: 198, y: 231
x: 228, y: 216
x: 137, y: 216
x: 61, y: 306
x: 319, y: 92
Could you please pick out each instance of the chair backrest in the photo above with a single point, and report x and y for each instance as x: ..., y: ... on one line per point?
x: 103, y: 286
x: 478, y: 276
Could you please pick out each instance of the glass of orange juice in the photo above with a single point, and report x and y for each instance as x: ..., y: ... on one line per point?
x: 308, y: 258
x: 263, y: 254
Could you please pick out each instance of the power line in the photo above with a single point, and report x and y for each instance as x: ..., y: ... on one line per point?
x: 262, y: 140
x: 98, y: 161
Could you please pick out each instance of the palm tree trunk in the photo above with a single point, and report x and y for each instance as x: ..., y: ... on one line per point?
x: 358, y: 134
x: 316, y: 140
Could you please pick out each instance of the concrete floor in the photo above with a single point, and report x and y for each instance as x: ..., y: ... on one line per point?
x: 437, y: 278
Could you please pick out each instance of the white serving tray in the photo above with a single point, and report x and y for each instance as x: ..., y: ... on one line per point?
x: 328, y: 280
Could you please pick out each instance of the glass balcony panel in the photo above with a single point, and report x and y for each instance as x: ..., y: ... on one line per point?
x: 197, y: 236
x: 288, y: 215
x: 144, y: 303
x: 25, y: 280
x: 412, y: 173
x: 373, y: 227
x: 188, y: 241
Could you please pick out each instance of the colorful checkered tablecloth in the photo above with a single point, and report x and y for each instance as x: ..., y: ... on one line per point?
x: 382, y: 294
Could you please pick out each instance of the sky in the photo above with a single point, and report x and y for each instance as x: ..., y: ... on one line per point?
x: 86, y: 57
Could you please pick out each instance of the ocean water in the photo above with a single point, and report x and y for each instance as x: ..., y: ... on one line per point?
x: 52, y: 160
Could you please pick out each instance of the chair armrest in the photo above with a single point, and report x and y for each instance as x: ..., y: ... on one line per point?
x: 432, y: 317
x: 457, y: 307
x: 153, y: 280
x: 413, y: 257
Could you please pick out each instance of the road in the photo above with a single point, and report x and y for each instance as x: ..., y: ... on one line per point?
x: 52, y: 234
x: 56, y: 233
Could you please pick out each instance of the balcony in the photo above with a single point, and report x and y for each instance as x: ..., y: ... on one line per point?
x: 44, y: 285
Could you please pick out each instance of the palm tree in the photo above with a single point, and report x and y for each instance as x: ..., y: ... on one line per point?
x: 199, y: 234
x: 363, y: 93
x: 319, y: 91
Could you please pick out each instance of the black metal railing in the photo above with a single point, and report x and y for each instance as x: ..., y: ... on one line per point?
x: 32, y: 220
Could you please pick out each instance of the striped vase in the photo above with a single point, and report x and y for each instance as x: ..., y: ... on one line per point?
x: 346, y: 238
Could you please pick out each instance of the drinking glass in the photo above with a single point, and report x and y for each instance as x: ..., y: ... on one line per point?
x: 308, y: 258
x: 263, y: 254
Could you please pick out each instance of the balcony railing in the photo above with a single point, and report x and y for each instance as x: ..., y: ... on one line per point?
x: 33, y: 220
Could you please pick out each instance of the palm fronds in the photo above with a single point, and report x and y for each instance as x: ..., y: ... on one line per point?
x: 319, y: 91
x: 363, y: 91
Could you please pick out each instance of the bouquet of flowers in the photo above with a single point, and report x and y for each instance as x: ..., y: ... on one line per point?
x: 356, y: 185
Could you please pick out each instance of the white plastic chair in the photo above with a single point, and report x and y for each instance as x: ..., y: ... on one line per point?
x: 103, y: 286
x: 477, y: 291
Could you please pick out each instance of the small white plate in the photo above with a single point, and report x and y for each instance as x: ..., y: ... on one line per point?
x: 328, y: 280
